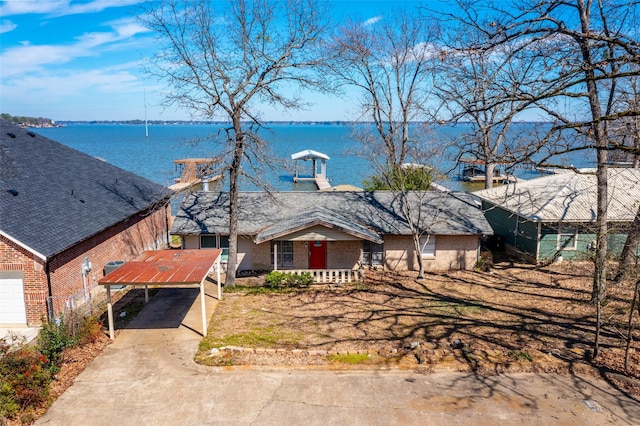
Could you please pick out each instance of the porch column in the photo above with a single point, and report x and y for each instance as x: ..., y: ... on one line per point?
x: 275, y: 256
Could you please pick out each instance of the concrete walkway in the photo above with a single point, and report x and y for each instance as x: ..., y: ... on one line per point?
x: 148, y: 377
x: 23, y: 334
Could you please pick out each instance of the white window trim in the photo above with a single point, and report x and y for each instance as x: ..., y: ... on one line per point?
x: 565, y: 231
x: 225, y: 250
x: 371, y: 252
x: 279, y: 253
x: 208, y: 248
x: 428, y: 246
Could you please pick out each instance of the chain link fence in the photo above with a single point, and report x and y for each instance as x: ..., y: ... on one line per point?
x: 80, y: 303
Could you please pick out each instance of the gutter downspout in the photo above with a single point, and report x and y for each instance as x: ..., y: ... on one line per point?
x: 47, y: 272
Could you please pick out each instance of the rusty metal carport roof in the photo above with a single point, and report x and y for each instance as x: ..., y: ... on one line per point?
x: 165, y: 268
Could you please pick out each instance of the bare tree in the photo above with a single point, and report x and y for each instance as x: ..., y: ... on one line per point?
x: 581, y: 50
x: 626, y: 134
x: 222, y: 59
x: 390, y: 61
x: 486, y: 86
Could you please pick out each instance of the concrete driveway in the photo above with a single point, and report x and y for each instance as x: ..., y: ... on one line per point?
x: 147, y: 377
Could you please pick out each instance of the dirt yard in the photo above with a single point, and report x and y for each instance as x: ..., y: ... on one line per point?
x: 511, y: 312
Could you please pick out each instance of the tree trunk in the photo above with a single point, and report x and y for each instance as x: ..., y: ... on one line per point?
x: 488, y: 174
x: 628, y: 256
x: 600, y: 273
x: 418, y: 248
x: 632, y: 308
x: 234, y: 174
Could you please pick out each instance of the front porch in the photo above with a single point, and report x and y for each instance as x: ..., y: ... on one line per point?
x: 329, y: 276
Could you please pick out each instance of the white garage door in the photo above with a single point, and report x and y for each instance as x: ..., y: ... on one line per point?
x: 12, y: 307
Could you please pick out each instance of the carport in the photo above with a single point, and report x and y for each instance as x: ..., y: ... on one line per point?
x: 165, y: 268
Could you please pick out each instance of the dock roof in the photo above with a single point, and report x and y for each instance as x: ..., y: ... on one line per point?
x: 309, y: 154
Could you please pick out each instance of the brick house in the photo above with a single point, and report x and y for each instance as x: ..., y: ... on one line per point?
x: 336, y: 231
x: 63, y: 216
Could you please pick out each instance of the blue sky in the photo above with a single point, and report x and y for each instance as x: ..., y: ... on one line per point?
x: 81, y: 60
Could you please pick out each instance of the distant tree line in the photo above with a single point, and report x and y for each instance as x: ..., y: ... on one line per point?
x: 28, y: 121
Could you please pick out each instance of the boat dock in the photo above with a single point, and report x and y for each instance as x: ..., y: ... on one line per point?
x: 319, y: 176
x: 474, y: 171
x: 192, y: 172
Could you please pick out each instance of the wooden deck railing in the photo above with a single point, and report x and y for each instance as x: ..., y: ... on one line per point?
x: 329, y: 275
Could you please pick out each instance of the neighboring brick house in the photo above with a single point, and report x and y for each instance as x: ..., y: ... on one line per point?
x: 59, y: 210
x: 336, y: 230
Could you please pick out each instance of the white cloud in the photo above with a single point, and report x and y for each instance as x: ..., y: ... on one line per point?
x: 33, y: 58
x: 59, y: 7
x: 72, y: 94
x: 6, y: 26
x: 371, y: 21
x: 128, y: 27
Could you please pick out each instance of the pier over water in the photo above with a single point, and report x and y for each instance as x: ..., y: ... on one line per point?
x: 319, y: 175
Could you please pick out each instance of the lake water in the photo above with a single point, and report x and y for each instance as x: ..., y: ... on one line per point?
x: 152, y: 157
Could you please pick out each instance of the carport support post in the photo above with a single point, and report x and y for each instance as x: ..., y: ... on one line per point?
x: 146, y: 294
x: 204, y: 308
x: 219, y: 284
x: 112, y: 334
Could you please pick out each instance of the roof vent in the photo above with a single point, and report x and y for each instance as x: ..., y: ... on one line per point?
x: 33, y: 135
x: 13, y: 192
x: 11, y: 135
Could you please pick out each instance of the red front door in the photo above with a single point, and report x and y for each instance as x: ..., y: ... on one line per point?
x: 317, y: 255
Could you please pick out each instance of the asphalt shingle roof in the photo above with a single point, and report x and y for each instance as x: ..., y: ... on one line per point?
x: 569, y: 197
x: 316, y: 216
x: 374, y: 212
x: 52, y: 196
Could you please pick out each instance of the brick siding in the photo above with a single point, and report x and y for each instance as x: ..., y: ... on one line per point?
x: 123, y: 241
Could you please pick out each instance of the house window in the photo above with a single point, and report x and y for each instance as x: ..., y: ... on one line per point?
x: 216, y: 241
x: 285, y: 253
x: 208, y: 241
x: 567, y: 238
x: 428, y: 246
x: 224, y: 245
x: 372, y: 253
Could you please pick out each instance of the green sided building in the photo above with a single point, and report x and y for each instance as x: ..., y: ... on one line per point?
x: 554, y: 216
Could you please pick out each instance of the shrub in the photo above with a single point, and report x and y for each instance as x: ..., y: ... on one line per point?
x: 24, y: 380
x: 485, y: 261
x: 55, y: 336
x: 91, y: 329
x: 277, y: 279
x: 26, y: 372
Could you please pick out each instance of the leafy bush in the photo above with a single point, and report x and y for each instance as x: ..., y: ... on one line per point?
x: 26, y: 372
x: 24, y: 380
x: 277, y: 279
x: 485, y: 261
x: 91, y: 329
x: 54, y: 338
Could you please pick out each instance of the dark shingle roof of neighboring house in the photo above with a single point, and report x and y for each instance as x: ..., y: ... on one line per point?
x: 365, y: 214
x: 569, y: 197
x: 52, y: 196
